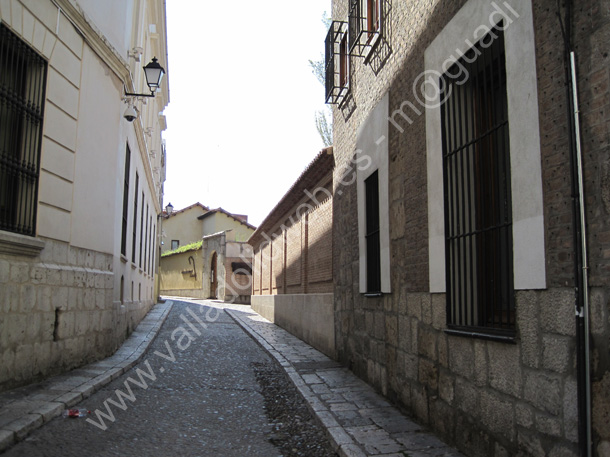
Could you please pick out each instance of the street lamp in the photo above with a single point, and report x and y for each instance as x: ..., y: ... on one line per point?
x: 154, y: 74
x: 169, y: 209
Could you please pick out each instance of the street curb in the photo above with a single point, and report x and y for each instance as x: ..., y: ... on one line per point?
x: 339, y: 439
x: 30, y: 413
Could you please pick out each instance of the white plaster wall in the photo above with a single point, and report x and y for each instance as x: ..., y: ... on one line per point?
x: 467, y: 26
x: 100, y: 146
x: 372, y: 142
x: 115, y: 18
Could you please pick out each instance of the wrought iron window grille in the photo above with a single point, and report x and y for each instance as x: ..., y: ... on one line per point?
x: 373, y: 246
x: 337, y: 66
x: 23, y: 75
x: 365, y: 24
x: 476, y: 175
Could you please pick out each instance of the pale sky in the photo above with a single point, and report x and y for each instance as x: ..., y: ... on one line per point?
x: 242, y: 101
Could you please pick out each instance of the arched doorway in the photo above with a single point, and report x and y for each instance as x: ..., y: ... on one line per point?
x: 214, y: 277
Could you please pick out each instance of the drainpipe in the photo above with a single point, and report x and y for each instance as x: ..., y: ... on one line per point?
x: 581, y: 266
x: 582, y: 311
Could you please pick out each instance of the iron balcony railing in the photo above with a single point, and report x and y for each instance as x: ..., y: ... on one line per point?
x: 336, y: 63
x: 364, y: 26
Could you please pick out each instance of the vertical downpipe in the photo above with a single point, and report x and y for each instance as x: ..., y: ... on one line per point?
x: 583, y: 313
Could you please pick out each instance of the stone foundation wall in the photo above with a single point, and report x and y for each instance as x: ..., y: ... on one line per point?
x: 309, y: 317
x: 57, y: 312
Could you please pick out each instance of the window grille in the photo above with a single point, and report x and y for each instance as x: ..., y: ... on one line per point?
x: 125, y: 201
x: 364, y: 25
x: 135, y: 220
x: 373, y: 250
x: 23, y: 75
x: 336, y: 63
x: 141, y: 231
x: 477, y: 192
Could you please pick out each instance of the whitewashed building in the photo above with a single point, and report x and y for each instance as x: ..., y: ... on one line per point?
x: 80, y: 185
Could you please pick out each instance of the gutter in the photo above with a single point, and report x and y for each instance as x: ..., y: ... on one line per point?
x: 581, y: 266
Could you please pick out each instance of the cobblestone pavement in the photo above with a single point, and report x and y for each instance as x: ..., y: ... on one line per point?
x: 198, y: 391
x: 359, y: 421
x: 204, y: 388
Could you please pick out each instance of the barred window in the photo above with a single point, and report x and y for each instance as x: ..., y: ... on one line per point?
x: 373, y: 249
x: 135, y: 220
x: 476, y: 169
x: 125, y: 201
x: 23, y: 75
x: 364, y: 25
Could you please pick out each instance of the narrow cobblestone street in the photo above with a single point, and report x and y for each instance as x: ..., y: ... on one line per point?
x: 198, y: 391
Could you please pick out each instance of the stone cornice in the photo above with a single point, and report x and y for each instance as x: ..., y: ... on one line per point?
x: 96, y: 40
x: 15, y: 244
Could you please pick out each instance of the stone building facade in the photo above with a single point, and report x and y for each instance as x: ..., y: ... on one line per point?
x: 292, y: 279
x: 412, y: 83
x: 80, y: 186
x: 227, y: 273
x: 189, y: 224
x: 218, y: 265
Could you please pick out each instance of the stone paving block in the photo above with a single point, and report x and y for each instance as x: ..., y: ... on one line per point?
x: 7, y: 439
x: 436, y: 452
x: 351, y: 450
x: 101, y: 380
x: 86, y: 389
x: 375, y: 440
x: 334, y: 398
x: 24, y: 425
x: 50, y: 410
x: 66, y: 382
x: 320, y: 389
x: 352, y: 418
x: 317, y: 405
x: 115, y: 372
x: 70, y: 398
x: 397, y: 424
x: 327, y: 419
x: 311, y: 379
x: 46, y: 395
x: 339, y: 437
x: 419, y: 441
x: 334, y: 407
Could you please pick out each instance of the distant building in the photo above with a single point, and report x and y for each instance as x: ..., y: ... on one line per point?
x: 80, y: 186
x: 217, y: 264
x: 190, y: 224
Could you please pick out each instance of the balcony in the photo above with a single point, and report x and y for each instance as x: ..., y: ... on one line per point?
x: 337, y: 63
x: 364, y: 26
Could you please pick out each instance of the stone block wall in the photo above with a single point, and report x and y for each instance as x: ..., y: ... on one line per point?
x: 488, y: 398
x: 57, y: 312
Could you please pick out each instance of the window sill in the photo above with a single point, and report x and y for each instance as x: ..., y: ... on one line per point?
x: 502, y: 338
x: 373, y: 44
x: 373, y: 294
x: 16, y: 244
x: 124, y: 259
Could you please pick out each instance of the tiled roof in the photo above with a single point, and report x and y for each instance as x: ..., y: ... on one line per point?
x: 319, y: 167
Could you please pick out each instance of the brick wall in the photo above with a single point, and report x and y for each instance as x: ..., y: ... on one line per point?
x: 294, y: 249
x: 488, y: 398
x: 298, y: 259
